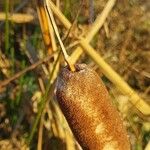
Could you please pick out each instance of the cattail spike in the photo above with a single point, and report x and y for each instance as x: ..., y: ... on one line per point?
x: 86, y: 105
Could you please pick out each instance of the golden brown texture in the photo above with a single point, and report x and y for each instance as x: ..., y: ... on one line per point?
x: 85, y: 103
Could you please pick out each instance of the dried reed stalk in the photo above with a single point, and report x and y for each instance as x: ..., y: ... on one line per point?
x: 48, y: 35
x: 44, y: 25
x: 17, y: 17
x: 115, y: 78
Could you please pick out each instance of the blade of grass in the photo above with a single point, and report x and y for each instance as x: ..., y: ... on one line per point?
x: 42, y: 104
x: 6, y: 26
x: 40, y: 133
x: 21, y: 82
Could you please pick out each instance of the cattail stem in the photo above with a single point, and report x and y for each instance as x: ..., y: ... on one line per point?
x: 66, y: 56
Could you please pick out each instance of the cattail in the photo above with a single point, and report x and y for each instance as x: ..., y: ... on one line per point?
x: 85, y: 102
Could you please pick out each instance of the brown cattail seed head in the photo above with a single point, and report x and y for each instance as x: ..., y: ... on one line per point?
x: 86, y: 105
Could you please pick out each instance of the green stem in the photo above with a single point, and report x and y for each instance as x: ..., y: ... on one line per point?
x: 43, y: 102
x: 7, y: 26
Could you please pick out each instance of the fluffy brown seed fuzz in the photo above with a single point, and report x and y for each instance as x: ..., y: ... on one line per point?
x: 86, y: 105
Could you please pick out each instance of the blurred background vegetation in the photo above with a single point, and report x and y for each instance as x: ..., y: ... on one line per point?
x: 30, y: 117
